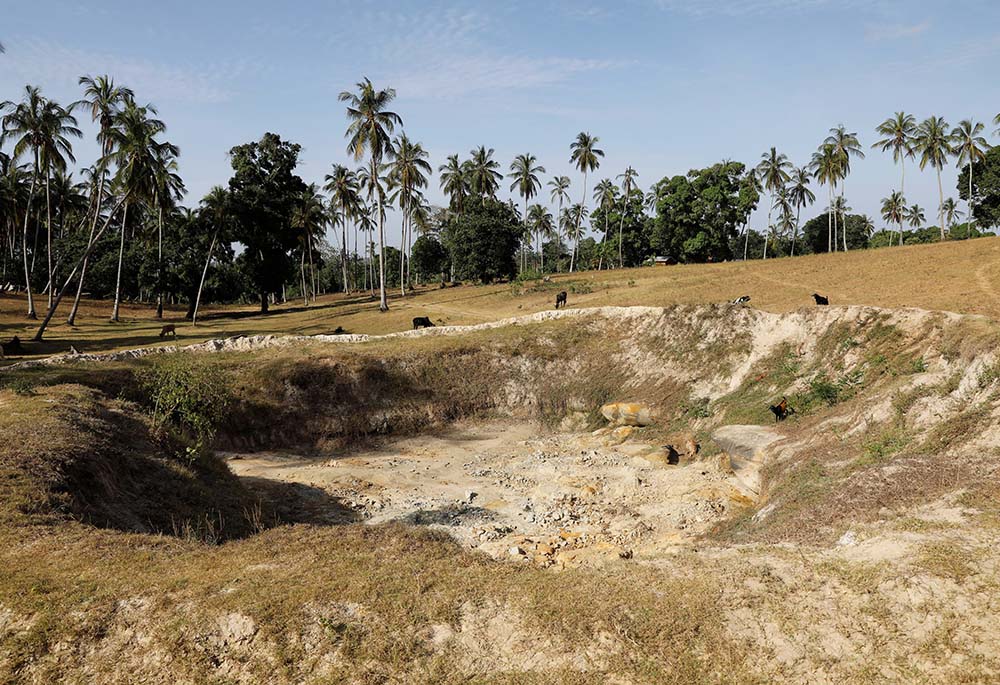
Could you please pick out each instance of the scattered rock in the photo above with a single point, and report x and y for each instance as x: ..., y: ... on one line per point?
x: 628, y: 413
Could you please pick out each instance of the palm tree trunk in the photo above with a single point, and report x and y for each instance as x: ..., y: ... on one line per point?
x: 48, y: 232
x: 24, y: 245
x: 204, y: 272
x: 746, y: 238
x: 829, y: 223
x: 621, y: 228
x: 768, y: 231
x: 383, y: 304
x: 579, y: 218
x: 71, y: 320
x: 972, y: 220
x: 159, y: 262
x: 795, y: 233
x: 402, y: 251
x: 121, y: 255
x: 940, y: 204
x: 302, y: 276
x: 843, y: 216
x: 69, y: 279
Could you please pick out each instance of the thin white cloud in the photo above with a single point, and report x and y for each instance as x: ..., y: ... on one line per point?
x: 46, y: 62
x: 738, y: 8
x: 878, y: 32
x: 461, y: 75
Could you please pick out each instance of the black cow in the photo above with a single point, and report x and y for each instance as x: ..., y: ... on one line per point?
x: 820, y: 300
x: 781, y: 410
x: 561, y: 299
x: 422, y: 322
x: 741, y: 300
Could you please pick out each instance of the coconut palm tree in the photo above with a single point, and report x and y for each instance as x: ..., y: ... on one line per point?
x: 215, y: 206
x: 898, y: 133
x: 752, y: 184
x: 370, y: 129
x: 309, y: 218
x: 841, y: 209
x: 524, y: 172
x: 800, y: 196
x: 915, y: 216
x: 342, y: 185
x: 168, y: 188
x: 628, y: 183
x: 559, y: 193
x: 136, y: 156
x: 40, y: 127
x: 454, y: 181
x: 845, y: 145
x: 575, y: 216
x: 996, y: 122
x: 951, y: 212
x: 773, y: 173
x: 933, y: 144
x: 604, y: 197
x: 584, y: 154
x: 540, y: 220
x: 970, y: 147
x: 484, y: 179
x: 408, y: 172
x: 783, y: 204
x: 825, y: 166
x: 104, y: 100
x: 894, y: 212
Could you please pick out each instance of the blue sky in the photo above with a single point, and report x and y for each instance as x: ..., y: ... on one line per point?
x: 667, y: 85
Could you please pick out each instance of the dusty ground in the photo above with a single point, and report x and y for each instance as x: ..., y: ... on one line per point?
x: 562, y: 499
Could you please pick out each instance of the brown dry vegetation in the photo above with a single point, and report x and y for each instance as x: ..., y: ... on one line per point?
x: 960, y: 276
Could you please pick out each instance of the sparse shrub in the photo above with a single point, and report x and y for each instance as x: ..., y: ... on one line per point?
x: 631, y: 282
x: 580, y: 288
x: 877, y: 449
x: 21, y: 386
x: 824, y: 390
x: 696, y: 408
x: 187, y: 399
x: 918, y: 365
x: 989, y: 374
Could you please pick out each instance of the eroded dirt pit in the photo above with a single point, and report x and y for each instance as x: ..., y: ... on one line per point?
x: 559, y: 499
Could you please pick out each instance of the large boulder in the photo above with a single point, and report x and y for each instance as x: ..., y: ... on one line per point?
x: 628, y: 413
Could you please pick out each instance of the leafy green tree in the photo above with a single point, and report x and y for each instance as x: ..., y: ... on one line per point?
x: 483, y: 240
x: 632, y: 242
x: 698, y: 215
x: 773, y: 173
x: 584, y: 153
x: 815, y: 234
x: 263, y: 194
x: 985, y: 188
x: 430, y: 258
x: 933, y: 144
x: 970, y: 147
x: 370, y: 129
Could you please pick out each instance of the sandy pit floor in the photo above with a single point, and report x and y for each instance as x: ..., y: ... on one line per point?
x: 515, y: 492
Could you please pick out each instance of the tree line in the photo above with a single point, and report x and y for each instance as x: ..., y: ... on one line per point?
x: 119, y: 231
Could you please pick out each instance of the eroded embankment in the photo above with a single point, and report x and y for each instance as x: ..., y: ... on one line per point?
x: 885, y: 473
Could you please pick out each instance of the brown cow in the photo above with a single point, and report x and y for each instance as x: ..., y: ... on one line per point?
x: 168, y: 328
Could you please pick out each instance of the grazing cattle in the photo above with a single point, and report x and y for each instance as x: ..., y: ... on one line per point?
x: 781, y: 410
x: 820, y: 300
x: 741, y: 300
x: 340, y: 331
x: 422, y: 322
x: 561, y: 299
x: 12, y: 347
x: 170, y: 329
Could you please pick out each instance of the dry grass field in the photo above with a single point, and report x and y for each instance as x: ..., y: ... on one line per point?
x: 962, y: 277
